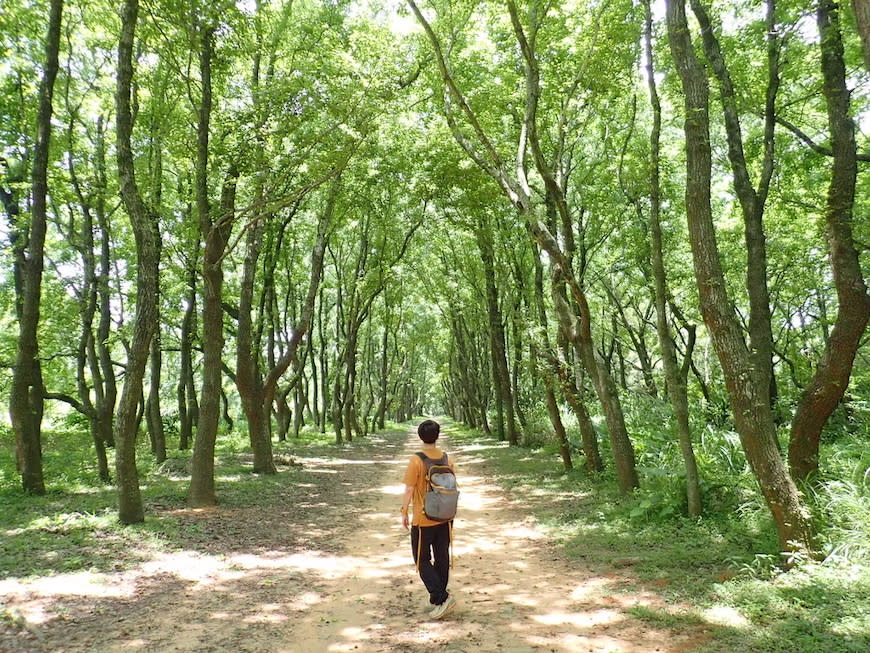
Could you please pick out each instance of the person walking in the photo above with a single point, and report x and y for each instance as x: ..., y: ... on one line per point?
x: 430, y: 539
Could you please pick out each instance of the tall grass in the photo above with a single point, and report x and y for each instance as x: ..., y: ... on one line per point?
x: 724, y: 570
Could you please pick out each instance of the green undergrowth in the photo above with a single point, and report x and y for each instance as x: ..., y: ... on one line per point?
x: 721, y: 575
x: 74, y: 526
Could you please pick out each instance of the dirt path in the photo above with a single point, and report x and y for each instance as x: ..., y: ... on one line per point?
x: 329, y: 570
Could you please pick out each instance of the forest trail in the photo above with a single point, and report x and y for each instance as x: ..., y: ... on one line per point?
x: 330, y: 571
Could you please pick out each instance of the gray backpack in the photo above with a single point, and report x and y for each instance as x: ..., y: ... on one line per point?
x: 442, y: 497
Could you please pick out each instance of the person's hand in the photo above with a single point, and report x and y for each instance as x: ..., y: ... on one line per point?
x: 405, y: 521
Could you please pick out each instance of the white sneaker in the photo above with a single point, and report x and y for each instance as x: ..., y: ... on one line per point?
x: 443, y: 609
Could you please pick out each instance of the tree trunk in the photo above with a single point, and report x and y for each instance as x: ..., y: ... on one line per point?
x: 249, y: 377
x: 831, y: 378
x: 188, y: 408
x: 580, y: 327
x: 348, y: 382
x: 86, y: 355
x: 549, y: 386
x: 103, y: 369
x: 323, y: 360
x: 144, y: 224
x: 517, y: 188
x: 26, y: 401
x: 306, y: 313
x: 638, y: 341
x: 752, y: 200
x: 862, y: 18
x: 623, y: 451
x: 498, y: 347
x: 383, y: 379
x: 676, y: 382
x: 154, y: 416
x: 216, y: 233
x: 749, y: 403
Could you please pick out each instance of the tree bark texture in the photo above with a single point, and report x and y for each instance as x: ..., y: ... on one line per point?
x: 749, y: 402
x: 862, y: 17
x: 26, y: 401
x: 829, y: 383
x: 216, y: 233
x: 516, y: 187
x: 498, y: 347
x: 144, y: 224
x: 549, y: 384
x: 752, y: 200
x: 580, y: 337
x: 188, y: 406
x: 676, y: 382
x: 87, y: 362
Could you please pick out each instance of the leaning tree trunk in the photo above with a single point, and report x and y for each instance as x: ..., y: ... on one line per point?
x: 751, y: 411
x: 516, y: 187
x: 306, y: 315
x: 752, y: 200
x: 580, y: 328
x: 831, y: 379
x: 144, y: 223
x: 578, y: 333
x: 547, y: 377
x: 675, y: 381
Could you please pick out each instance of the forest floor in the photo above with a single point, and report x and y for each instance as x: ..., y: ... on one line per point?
x: 323, y: 564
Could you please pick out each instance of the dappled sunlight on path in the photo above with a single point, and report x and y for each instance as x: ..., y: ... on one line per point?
x: 357, y: 591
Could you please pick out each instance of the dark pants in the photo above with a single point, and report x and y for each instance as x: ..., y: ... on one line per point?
x: 432, y: 545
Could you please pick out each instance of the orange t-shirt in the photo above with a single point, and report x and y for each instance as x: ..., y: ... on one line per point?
x: 415, y: 476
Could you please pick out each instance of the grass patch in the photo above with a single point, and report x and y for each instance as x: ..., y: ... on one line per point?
x: 726, y: 566
x: 74, y: 526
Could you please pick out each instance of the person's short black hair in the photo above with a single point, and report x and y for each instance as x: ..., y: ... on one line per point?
x: 429, y: 430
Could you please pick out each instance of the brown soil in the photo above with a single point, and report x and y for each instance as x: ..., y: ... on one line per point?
x: 325, y: 566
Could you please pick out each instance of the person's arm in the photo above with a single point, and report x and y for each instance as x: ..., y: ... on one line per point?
x: 406, y: 501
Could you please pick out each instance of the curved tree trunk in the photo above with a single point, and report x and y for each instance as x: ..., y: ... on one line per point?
x: 605, y: 388
x: 516, y: 187
x: 144, y: 223
x: 578, y: 327
x: 752, y: 200
x: 831, y: 379
x: 86, y: 356
x: 676, y: 381
x: 549, y: 384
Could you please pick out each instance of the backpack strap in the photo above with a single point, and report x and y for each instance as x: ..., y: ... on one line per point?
x: 428, y: 461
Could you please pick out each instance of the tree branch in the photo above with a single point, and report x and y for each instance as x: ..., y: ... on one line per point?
x: 815, y: 147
